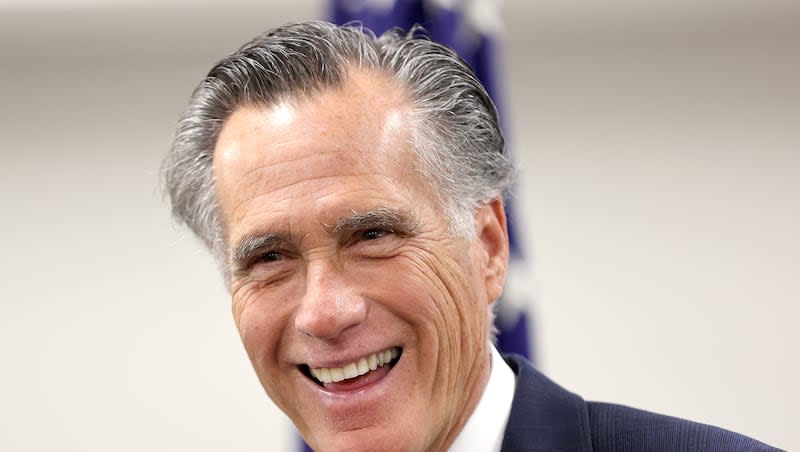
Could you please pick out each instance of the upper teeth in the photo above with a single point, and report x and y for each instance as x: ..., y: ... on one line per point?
x: 356, y: 368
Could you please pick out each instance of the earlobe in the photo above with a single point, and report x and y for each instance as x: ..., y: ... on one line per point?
x: 493, y: 236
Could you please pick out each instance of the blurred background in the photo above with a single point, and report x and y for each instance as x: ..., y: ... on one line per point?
x: 659, y: 203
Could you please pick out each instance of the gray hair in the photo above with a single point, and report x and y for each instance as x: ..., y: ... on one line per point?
x: 454, y: 130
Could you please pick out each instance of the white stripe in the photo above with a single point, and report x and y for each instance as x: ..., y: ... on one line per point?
x: 482, y: 16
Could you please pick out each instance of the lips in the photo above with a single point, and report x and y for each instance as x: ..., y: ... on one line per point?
x: 355, y: 369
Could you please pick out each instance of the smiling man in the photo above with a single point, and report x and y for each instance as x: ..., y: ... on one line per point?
x: 352, y: 189
x: 362, y: 314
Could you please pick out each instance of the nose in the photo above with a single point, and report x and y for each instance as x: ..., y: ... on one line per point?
x: 329, y: 306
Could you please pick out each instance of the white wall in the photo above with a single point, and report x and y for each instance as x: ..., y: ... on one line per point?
x: 659, y: 177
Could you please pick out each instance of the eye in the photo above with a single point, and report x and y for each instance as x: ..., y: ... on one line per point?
x: 372, y: 234
x: 270, y: 256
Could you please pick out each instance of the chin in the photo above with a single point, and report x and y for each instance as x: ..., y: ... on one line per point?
x: 365, y: 440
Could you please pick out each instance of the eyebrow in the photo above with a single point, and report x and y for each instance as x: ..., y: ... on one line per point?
x: 396, y: 221
x: 249, y: 246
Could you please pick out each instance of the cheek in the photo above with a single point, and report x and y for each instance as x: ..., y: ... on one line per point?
x: 260, y: 327
x: 463, y: 328
x: 261, y: 331
x: 415, y: 291
x: 440, y: 297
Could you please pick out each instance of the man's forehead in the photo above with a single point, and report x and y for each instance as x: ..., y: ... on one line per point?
x: 262, y: 156
x: 369, y: 109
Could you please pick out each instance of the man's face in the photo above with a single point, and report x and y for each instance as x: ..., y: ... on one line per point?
x: 365, y: 320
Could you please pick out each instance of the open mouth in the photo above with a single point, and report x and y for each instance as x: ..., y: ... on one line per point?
x: 358, y: 373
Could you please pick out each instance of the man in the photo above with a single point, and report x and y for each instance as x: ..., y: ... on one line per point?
x: 352, y: 189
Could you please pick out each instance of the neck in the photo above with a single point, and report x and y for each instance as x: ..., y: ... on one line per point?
x: 477, y: 380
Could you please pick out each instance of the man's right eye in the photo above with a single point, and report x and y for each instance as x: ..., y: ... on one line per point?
x: 269, y: 256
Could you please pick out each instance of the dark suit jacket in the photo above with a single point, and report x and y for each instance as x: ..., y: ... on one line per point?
x: 546, y: 417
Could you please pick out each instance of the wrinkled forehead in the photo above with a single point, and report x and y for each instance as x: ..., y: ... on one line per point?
x: 368, y: 113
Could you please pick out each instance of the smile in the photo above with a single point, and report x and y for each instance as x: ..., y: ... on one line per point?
x: 362, y: 366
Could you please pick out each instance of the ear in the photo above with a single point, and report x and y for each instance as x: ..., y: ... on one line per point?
x: 493, y: 238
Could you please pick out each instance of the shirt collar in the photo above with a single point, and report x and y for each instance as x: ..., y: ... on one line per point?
x: 484, y: 430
